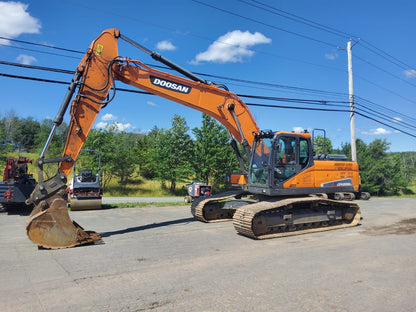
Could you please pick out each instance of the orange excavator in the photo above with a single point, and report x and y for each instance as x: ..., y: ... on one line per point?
x: 288, y: 192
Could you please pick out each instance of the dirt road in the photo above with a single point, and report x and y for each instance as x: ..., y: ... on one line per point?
x: 160, y: 259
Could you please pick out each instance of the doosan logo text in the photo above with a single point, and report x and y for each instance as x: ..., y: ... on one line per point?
x: 166, y: 84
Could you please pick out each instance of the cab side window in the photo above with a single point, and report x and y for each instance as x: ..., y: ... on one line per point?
x: 303, y: 152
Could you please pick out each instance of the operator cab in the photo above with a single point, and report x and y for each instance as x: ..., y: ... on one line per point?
x: 277, y: 157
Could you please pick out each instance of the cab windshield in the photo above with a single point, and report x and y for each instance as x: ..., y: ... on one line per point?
x: 260, y: 161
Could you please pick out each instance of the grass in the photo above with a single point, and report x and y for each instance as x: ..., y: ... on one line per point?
x: 136, y: 205
x: 140, y: 187
x: 412, y: 186
x: 135, y: 187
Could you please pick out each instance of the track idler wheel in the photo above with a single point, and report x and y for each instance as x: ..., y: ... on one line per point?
x: 49, y: 225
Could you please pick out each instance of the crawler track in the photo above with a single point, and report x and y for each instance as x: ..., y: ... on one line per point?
x: 294, y: 216
x: 219, y: 208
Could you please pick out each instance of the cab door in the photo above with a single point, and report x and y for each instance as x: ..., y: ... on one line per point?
x: 292, y: 157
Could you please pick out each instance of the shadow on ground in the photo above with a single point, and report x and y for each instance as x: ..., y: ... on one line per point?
x: 147, y: 227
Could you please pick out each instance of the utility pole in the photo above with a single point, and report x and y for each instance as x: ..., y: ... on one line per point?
x: 351, y: 98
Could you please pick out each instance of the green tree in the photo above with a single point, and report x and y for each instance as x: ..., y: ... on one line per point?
x: 103, y: 140
x: 2, y: 129
x: 397, y: 181
x: 144, y: 149
x: 9, y: 125
x: 322, y: 145
x: 55, y: 147
x: 212, y: 152
x: 377, y: 167
x: 408, y: 165
x: 124, y: 157
x: 381, y: 174
x: 58, y: 141
x: 25, y: 131
x: 173, y: 152
x: 5, y: 151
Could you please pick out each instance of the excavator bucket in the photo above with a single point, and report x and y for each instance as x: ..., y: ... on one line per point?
x: 49, y: 225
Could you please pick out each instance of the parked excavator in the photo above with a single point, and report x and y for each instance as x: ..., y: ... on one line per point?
x: 288, y: 192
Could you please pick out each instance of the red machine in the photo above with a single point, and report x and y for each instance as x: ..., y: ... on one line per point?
x: 17, y: 184
x: 197, y: 189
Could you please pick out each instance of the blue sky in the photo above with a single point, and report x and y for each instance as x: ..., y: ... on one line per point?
x: 290, y: 49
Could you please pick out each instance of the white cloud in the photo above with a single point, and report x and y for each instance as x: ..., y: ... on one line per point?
x: 397, y: 119
x: 108, y: 117
x: 143, y: 131
x: 150, y: 103
x: 165, y: 45
x: 123, y: 127
x: 15, y: 20
x: 378, y: 131
x: 26, y: 59
x: 331, y: 56
x: 410, y: 73
x: 118, y: 126
x: 232, y: 47
x: 298, y: 129
x: 101, y: 125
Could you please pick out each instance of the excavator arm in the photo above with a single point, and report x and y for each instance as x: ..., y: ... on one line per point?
x: 49, y: 225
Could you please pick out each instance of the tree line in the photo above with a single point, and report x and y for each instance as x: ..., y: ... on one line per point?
x: 173, y: 156
x: 168, y: 155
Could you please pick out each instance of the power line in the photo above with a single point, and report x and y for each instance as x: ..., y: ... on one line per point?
x: 367, y: 45
x: 385, y: 124
x: 304, y: 101
x: 205, y: 38
x: 384, y: 88
x: 299, y: 101
x: 310, y: 23
x: 343, y: 107
x: 335, y: 110
x: 265, y: 7
x: 293, y: 17
x: 56, y: 70
x: 297, y: 18
x: 378, y: 107
x: 41, y: 45
x: 385, y: 117
x: 265, y: 24
x: 296, y: 100
x: 258, y: 83
x: 333, y: 103
x: 277, y: 99
x: 383, y: 70
x: 38, y: 51
x: 33, y: 78
x: 386, y: 55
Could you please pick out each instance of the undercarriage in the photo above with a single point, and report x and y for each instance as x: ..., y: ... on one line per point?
x: 277, y: 217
